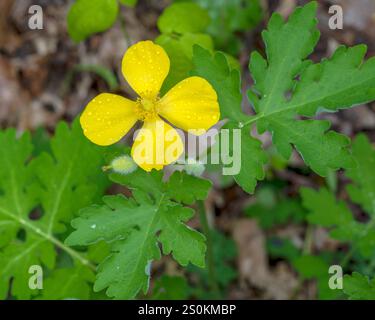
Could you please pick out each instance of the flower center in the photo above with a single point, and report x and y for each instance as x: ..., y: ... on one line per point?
x: 147, y: 104
x: 146, y: 108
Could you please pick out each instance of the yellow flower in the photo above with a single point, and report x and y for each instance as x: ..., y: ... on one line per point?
x: 190, y: 105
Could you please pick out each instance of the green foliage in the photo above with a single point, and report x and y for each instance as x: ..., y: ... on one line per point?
x: 362, y: 190
x: 187, y: 189
x: 272, y: 209
x: 40, y: 141
x: 226, y: 81
x: 359, y: 287
x: 323, y: 209
x: 325, y: 85
x: 182, y: 25
x: 134, y: 226
x: 282, y: 248
x: 224, y: 252
x: 177, y: 287
x: 230, y: 17
x: 68, y: 283
x: 227, y: 84
x: 87, y: 17
x: 182, y: 18
x: 326, y: 211
x: 316, y: 267
x: 106, y: 74
x: 129, y: 3
x: 170, y: 288
x: 180, y: 51
x: 310, y: 266
x: 287, y: 87
x: 38, y: 197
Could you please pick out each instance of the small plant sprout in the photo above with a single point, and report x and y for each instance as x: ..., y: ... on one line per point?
x: 122, y: 165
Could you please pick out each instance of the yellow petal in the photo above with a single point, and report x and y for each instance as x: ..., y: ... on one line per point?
x: 145, y: 66
x: 191, y: 105
x: 156, y: 145
x: 108, y: 118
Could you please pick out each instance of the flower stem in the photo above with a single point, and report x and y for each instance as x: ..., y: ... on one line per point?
x: 210, y: 255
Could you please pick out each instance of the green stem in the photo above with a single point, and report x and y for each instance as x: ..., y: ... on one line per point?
x: 251, y: 120
x: 307, y: 246
x: 348, y: 256
x: 331, y: 180
x: 106, y: 74
x: 210, y: 256
x: 48, y: 237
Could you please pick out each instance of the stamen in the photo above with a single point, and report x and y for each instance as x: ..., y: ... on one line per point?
x: 146, y: 108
